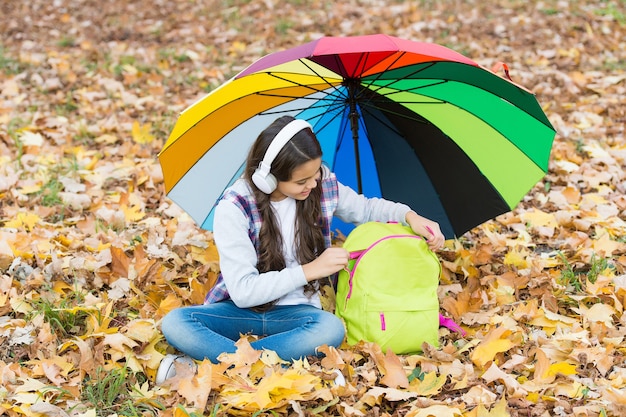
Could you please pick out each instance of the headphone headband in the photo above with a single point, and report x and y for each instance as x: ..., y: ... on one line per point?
x: 262, y: 177
x: 282, y: 137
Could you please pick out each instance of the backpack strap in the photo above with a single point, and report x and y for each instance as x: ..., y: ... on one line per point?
x: 450, y: 324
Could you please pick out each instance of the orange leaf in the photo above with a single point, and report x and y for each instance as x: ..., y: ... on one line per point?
x: 242, y: 359
x: 572, y: 195
x: 197, y: 388
x: 394, y: 375
x: 119, y: 263
x: 168, y: 304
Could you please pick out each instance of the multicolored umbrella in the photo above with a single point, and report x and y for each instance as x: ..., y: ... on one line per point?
x: 409, y: 121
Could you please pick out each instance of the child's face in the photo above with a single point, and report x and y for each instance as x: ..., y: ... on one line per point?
x: 303, y: 180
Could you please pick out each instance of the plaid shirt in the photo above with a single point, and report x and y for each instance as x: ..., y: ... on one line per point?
x: 247, y: 204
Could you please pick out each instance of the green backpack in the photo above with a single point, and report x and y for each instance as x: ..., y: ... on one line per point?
x: 389, y: 295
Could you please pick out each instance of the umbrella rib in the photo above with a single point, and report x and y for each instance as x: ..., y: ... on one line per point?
x: 380, y: 73
x: 393, y: 81
x: 292, y: 109
x: 296, y: 84
x: 319, y: 103
x: 387, y: 111
x: 321, y: 77
x: 316, y: 99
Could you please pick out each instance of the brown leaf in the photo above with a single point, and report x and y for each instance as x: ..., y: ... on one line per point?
x: 394, y: 375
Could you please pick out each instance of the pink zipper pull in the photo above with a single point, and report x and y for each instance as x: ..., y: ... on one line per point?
x: 383, y: 326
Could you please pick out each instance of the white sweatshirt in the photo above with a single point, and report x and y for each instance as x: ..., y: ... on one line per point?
x: 238, y: 259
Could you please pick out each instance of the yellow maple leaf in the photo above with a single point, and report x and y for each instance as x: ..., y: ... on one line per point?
x: 516, y: 258
x: 599, y: 313
x: 150, y: 356
x: 497, y: 341
x: 133, y: 213
x: 120, y: 343
x: 23, y: 220
x: 141, y: 330
x: 98, y: 321
x: 560, y: 368
x: 237, y: 47
x: 141, y: 133
x: 605, y: 246
x: 276, y: 390
x: 539, y: 218
x: 56, y: 368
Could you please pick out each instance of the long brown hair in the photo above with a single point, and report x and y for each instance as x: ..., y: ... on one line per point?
x: 309, y: 237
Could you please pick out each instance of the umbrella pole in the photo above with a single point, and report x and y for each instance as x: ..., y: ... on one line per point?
x: 354, y: 125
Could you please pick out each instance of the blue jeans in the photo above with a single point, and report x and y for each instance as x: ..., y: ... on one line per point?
x: 293, y: 332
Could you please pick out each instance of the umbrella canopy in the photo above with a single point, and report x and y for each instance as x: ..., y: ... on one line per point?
x: 409, y: 121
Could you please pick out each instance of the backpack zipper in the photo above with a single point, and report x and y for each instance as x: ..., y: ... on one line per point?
x: 358, y: 255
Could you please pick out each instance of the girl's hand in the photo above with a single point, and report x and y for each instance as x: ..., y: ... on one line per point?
x: 330, y: 261
x: 427, y: 228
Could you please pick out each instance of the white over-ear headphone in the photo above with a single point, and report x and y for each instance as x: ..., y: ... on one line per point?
x: 262, y: 178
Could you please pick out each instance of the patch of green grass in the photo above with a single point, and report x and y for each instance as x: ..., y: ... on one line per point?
x: 61, y: 313
x: 84, y: 137
x: 616, y: 11
x: 580, y: 146
x: 283, y: 26
x: 66, y: 42
x: 8, y: 65
x: 549, y: 11
x: 13, y: 128
x: 113, y: 393
x: 574, y: 279
x: 234, y: 3
x: 68, y: 107
x: 164, y: 124
x: 613, y: 66
x: 597, y: 267
x: 131, y: 61
x: 50, y: 193
x: 172, y: 54
x: 569, y: 278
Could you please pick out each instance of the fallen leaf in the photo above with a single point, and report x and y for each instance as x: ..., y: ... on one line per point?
x: 141, y: 133
x: 497, y: 341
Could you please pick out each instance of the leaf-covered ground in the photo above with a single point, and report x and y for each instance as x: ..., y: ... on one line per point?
x: 92, y: 254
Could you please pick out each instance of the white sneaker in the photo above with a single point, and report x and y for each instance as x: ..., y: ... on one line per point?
x: 339, y: 378
x: 167, y: 369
